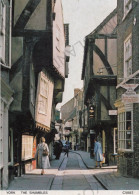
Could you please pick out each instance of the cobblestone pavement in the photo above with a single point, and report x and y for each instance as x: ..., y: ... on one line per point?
x: 73, y: 175
x: 108, y: 176
x: 33, y: 180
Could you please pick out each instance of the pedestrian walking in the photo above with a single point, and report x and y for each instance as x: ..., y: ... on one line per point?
x: 42, y: 155
x: 98, y: 153
x: 66, y: 149
x: 57, y: 148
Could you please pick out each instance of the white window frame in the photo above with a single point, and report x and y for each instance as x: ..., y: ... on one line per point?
x: 127, y: 56
x: 115, y: 140
x: 124, y: 130
x: 2, y: 30
x: 127, y: 7
x: 43, y: 96
x: 27, y: 147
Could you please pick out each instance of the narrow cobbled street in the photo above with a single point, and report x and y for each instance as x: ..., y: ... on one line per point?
x: 69, y: 96
x: 71, y: 175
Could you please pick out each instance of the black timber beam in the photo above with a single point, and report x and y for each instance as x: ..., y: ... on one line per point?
x: 36, y: 33
x: 106, y: 102
x: 104, y: 80
x: 102, y: 36
x: 103, y: 58
x: 49, y: 13
x: 25, y: 15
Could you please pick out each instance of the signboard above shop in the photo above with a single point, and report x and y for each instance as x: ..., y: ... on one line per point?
x: 130, y: 95
x: 92, y: 131
x: 112, y: 112
x: 130, y: 98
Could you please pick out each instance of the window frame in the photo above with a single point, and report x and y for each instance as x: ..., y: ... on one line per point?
x: 43, y: 96
x: 129, y: 58
x: 127, y: 10
x: 125, y: 131
x: 115, y: 140
x: 27, y: 147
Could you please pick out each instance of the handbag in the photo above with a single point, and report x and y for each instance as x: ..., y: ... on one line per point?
x: 103, y: 158
x: 45, y: 152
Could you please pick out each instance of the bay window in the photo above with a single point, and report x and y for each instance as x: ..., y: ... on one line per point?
x: 43, y: 96
x: 125, y: 130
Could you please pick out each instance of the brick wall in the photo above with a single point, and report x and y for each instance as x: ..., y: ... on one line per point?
x: 128, y: 162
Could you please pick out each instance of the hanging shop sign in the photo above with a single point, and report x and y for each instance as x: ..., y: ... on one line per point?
x: 130, y: 95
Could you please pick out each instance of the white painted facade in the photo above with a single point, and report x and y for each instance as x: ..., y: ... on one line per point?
x: 5, y: 101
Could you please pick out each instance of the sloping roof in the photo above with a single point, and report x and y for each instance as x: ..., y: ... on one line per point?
x: 103, y: 23
x: 99, y: 27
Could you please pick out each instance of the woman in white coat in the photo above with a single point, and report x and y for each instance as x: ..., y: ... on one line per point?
x: 43, y: 161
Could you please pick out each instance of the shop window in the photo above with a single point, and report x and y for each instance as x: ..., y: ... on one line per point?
x: 128, y: 57
x: 27, y: 147
x: 127, y: 6
x: 43, y: 100
x: 125, y: 131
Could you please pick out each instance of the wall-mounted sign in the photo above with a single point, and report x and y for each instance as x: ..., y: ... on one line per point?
x: 92, y: 132
x: 130, y: 95
x: 112, y: 112
x: 130, y: 98
x: 129, y: 87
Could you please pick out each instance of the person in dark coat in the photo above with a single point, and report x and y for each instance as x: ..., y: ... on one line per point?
x: 43, y: 161
x: 57, y: 148
x: 66, y: 149
x: 98, y: 153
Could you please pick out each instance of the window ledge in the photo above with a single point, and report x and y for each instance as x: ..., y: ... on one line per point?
x: 125, y: 151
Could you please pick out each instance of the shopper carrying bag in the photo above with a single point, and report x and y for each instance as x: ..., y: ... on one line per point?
x: 42, y: 155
